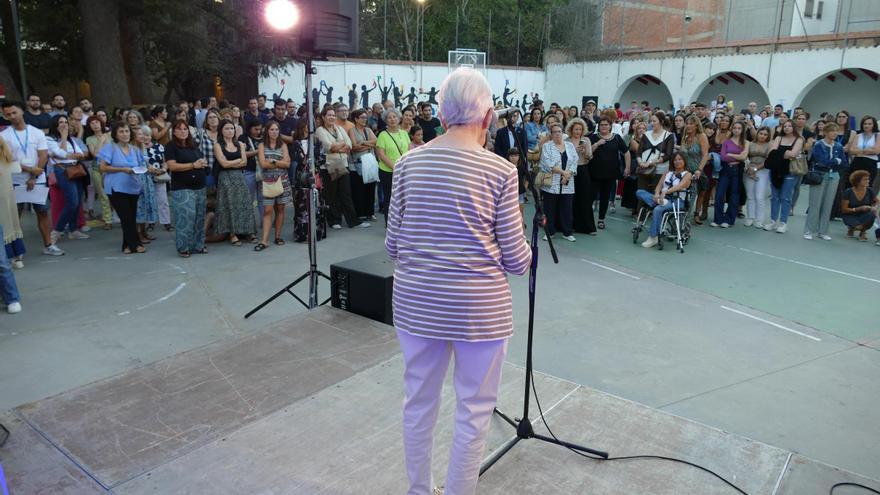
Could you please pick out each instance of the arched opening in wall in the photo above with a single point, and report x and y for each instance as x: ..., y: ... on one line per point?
x: 855, y: 90
x: 644, y: 87
x: 738, y: 87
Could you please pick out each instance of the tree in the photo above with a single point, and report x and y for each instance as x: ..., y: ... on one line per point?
x: 103, y: 52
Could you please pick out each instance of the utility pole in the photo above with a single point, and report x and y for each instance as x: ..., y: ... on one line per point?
x: 17, y: 28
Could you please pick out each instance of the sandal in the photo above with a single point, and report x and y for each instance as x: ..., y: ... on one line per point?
x: 253, y: 239
x: 126, y: 251
x: 863, y: 236
x: 601, y: 224
x: 145, y: 240
x: 183, y: 254
x: 204, y: 250
x: 260, y: 247
x: 235, y: 241
x: 140, y: 250
x: 279, y: 241
x: 149, y: 237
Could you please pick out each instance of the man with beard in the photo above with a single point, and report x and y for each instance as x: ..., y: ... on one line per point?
x: 59, y: 105
x: 34, y: 115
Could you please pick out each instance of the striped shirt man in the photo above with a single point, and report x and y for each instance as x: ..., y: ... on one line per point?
x: 454, y: 231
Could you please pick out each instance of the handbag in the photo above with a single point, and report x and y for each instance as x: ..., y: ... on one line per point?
x: 162, y: 178
x: 814, y: 177
x: 273, y: 189
x: 369, y: 168
x: 544, y: 179
x: 798, y: 165
x: 75, y: 171
x: 337, y: 165
x: 534, y: 155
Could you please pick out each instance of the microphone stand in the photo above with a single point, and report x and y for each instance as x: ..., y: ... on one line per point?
x: 523, y: 425
x: 314, y: 274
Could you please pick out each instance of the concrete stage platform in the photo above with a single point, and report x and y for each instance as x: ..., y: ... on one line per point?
x: 311, y: 405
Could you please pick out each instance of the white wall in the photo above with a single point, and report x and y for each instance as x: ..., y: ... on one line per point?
x: 814, y: 26
x: 340, y: 75
x: 786, y: 77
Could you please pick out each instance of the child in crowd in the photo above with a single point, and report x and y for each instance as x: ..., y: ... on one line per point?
x: 416, y: 137
x: 522, y: 172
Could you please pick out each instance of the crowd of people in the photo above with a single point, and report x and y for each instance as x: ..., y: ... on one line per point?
x: 210, y: 171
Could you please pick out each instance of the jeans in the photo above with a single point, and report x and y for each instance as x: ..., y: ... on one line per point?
x: 780, y: 200
x: 727, y: 190
x: 476, y: 378
x: 757, y: 190
x: 716, y: 164
x: 659, y: 210
x: 8, y: 289
x: 72, y: 191
x: 559, y: 209
x: 821, y: 202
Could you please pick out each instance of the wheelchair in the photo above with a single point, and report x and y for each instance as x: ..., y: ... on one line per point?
x: 674, y: 227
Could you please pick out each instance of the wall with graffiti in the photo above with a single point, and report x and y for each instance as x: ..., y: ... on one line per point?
x: 362, y: 83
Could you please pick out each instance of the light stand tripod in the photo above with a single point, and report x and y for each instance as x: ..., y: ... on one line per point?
x: 313, y: 204
x: 524, y: 430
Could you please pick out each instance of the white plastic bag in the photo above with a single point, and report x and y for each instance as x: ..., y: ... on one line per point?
x: 369, y: 168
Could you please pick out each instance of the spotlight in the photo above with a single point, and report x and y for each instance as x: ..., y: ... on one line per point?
x: 281, y: 14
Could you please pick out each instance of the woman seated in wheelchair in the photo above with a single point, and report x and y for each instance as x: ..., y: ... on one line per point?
x: 670, y: 192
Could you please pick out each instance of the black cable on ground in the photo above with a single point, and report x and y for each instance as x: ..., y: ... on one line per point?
x: 672, y: 459
x: 834, y: 487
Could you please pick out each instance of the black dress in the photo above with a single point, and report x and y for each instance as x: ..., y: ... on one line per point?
x: 583, y: 222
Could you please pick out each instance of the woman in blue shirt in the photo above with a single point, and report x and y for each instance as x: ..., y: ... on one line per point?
x: 119, y: 161
x: 534, y: 128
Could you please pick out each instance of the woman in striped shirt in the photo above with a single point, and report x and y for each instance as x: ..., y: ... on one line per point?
x: 454, y: 232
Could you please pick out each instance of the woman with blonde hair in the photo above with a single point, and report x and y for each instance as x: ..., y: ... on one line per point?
x: 13, y: 238
x: 695, y: 146
x: 582, y: 207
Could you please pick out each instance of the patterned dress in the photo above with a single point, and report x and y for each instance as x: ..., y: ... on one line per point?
x: 273, y: 174
x: 147, y: 209
x: 234, y: 213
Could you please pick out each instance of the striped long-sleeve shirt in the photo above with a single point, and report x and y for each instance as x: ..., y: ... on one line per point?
x: 454, y: 231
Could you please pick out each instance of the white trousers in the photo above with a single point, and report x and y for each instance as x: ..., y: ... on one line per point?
x: 476, y: 376
x: 757, y: 190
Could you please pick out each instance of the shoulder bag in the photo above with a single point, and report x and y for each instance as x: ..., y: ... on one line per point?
x: 798, y: 165
x: 337, y: 163
x: 77, y: 170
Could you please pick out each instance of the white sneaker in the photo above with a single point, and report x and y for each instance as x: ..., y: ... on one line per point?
x: 877, y: 243
x: 364, y: 225
x: 569, y: 238
x: 17, y: 264
x: 53, y: 250
x: 749, y: 222
x: 713, y: 224
x: 808, y: 236
x: 783, y: 228
x: 825, y: 237
x: 373, y: 217
x: 759, y: 225
x: 613, y: 209
x: 545, y: 236
x: 336, y: 226
x: 771, y: 225
x: 725, y: 225
x: 651, y: 242
x: 54, y: 236
x: 14, y: 308
x: 76, y: 234
x: 85, y: 228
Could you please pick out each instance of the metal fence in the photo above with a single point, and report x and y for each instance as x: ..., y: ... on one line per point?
x: 585, y: 29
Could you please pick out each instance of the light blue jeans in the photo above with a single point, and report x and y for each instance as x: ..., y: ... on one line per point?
x: 8, y: 289
x: 780, y: 199
x: 659, y: 210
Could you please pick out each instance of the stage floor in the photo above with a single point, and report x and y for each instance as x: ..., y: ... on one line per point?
x: 311, y: 405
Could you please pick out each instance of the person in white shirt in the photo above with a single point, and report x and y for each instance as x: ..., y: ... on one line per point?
x: 30, y: 149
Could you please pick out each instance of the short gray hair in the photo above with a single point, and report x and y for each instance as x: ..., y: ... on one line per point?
x: 465, y: 97
x: 390, y: 111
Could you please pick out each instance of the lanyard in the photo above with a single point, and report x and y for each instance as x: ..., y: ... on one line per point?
x: 23, y: 147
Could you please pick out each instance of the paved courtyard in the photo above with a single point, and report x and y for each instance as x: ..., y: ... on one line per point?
x: 765, y: 335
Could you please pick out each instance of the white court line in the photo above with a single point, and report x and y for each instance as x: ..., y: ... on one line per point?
x: 781, y: 475
x: 611, y: 269
x: 771, y: 323
x: 802, y: 263
x: 535, y: 421
x: 157, y: 301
